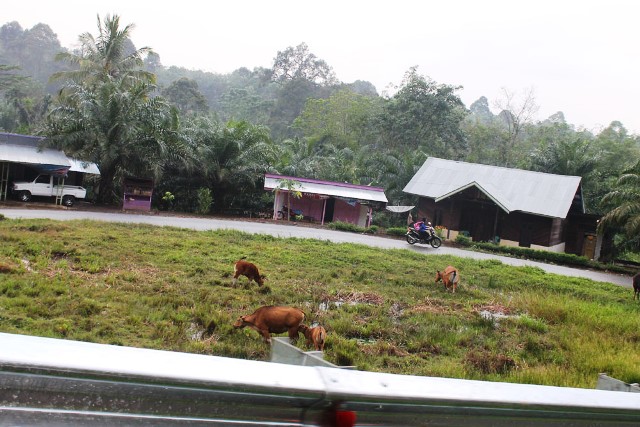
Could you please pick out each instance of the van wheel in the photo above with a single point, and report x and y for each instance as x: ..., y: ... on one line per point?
x: 68, y: 201
x: 24, y: 196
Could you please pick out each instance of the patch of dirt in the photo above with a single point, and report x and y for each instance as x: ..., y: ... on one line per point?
x: 431, y: 305
x: 489, y: 363
x: 494, y: 308
x: 355, y: 298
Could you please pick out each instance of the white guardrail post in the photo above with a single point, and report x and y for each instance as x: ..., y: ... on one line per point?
x: 52, y: 382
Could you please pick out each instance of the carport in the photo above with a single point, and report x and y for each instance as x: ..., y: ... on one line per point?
x: 21, y: 155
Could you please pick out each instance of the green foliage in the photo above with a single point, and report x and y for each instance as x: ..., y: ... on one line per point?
x: 205, y: 200
x: 172, y: 289
x: 463, y: 240
x: 346, y: 226
x: 396, y: 231
x: 624, y: 215
x: 540, y: 255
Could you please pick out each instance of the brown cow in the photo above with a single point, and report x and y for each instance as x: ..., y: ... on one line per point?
x: 450, y: 277
x: 271, y: 319
x: 247, y: 269
x: 636, y: 286
x: 316, y: 336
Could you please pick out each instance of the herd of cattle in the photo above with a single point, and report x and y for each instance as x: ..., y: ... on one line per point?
x: 271, y: 319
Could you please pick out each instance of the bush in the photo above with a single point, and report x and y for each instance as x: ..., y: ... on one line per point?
x: 539, y: 255
x: 396, y: 231
x: 204, y: 201
x: 371, y: 230
x: 463, y: 240
x: 346, y: 226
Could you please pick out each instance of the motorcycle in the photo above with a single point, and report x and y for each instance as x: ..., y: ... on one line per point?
x: 413, y: 236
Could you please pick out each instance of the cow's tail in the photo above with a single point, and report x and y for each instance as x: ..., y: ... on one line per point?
x: 453, y: 276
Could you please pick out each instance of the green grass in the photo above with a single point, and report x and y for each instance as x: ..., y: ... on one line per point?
x: 172, y: 289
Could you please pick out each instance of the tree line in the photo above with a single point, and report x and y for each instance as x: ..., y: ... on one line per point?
x: 207, y: 138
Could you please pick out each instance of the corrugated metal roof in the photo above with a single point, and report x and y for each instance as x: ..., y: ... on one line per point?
x: 32, y: 155
x: 511, y: 189
x: 24, y: 149
x: 84, y: 167
x: 328, y: 188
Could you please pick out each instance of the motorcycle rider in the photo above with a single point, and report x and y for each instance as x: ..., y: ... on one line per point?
x: 423, y: 228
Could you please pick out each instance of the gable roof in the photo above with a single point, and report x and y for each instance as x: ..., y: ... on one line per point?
x: 329, y: 188
x: 511, y: 189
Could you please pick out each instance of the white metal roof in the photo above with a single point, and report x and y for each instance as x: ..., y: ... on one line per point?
x: 24, y: 149
x: 31, y: 155
x: 327, y: 188
x: 511, y: 189
x: 84, y: 167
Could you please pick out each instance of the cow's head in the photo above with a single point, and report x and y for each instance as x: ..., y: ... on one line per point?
x: 240, y: 323
x: 438, y: 276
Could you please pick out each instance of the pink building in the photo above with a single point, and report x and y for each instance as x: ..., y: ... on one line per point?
x: 325, y: 201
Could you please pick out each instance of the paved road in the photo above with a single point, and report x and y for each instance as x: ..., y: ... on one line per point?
x: 288, y: 230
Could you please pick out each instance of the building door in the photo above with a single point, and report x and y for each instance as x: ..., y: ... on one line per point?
x: 328, y: 210
x: 526, y: 234
x: 589, y: 245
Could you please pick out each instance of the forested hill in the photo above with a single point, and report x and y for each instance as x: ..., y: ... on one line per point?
x: 318, y: 126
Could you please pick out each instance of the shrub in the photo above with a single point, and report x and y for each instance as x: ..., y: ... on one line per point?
x: 463, y: 240
x: 204, y: 201
x: 396, y: 231
x: 539, y: 255
x: 346, y: 226
x: 441, y: 231
x: 372, y: 229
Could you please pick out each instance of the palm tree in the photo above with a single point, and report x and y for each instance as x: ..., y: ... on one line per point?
x: 109, y: 56
x: 624, y: 215
x: 231, y: 158
x: 105, y: 112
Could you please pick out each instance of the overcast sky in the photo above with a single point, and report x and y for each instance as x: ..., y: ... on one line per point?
x: 581, y: 57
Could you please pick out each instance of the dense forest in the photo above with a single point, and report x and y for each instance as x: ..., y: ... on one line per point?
x: 208, y: 138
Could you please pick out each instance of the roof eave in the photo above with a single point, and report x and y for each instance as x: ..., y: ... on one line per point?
x: 495, y: 200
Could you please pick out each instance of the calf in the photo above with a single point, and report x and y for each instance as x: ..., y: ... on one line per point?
x: 636, y: 286
x: 247, y: 269
x: 316, y: 336
x: 271, y: 319
x: 450, y: 277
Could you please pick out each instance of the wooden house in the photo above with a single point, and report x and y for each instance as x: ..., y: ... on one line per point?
x: 507, y: 206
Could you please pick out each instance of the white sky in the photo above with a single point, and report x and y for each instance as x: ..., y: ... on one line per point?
x: 581, y: 57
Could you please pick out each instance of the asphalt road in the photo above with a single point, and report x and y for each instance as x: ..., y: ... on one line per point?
x: 290, y: 230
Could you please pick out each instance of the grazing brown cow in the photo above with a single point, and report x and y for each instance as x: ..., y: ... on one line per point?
x: 247, y: 269
x: 271, y: 319
x: 450, y: 277
x: 316, y: 336
x: 636, y: 286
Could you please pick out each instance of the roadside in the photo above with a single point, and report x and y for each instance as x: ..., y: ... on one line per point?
x: 12, y: 209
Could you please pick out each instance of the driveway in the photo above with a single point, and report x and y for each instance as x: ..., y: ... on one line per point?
x: 290, y: 230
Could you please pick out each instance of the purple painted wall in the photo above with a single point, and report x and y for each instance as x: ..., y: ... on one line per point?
x: 345, y: 212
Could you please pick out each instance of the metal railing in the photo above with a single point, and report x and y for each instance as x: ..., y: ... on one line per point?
x: 52, y: 382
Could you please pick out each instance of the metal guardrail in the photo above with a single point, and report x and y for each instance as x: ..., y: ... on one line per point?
x: 51, y: 382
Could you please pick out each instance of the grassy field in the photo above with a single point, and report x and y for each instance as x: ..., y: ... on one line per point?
x: 172, y: 289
